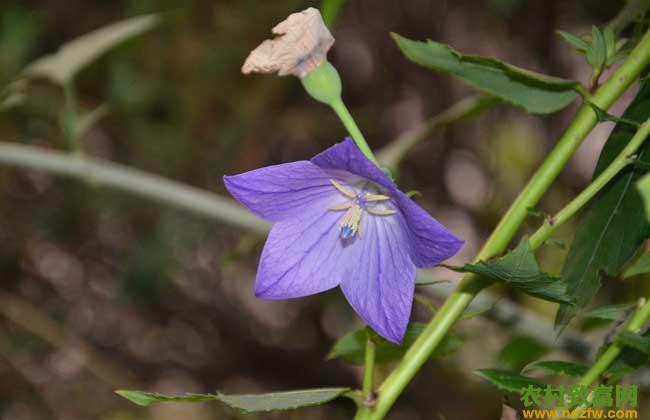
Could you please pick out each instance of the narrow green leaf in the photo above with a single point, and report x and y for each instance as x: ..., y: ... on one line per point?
x: 248, y: 403
x: 557, y: 367
x: 608, y: 312
x: 520, y: 351
x: 73, y: 56
x: 147, y: 398
x: 619, y: 56
x: 635, y: 341
x: 575, y: 41
x: 508, y: 381
x: 610, y: 41
x: 640, y: 266
x: 596, y: 53
x: 519, y: 269
x: 537, y: 93
x: 351, y: 347
x: 614, y: 225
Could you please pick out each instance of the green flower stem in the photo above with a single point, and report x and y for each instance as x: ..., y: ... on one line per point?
x: 367, y: 390
x: 346, y: 118
x: 472, y: 284
x: 369, y: 368
x: 622, y: 160
x: 638, y: 320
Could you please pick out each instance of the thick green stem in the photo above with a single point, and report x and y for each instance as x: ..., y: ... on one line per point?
x: 622, y: 160
x: 639, y: 319
x: 471, y: 284
x: 346, y: 118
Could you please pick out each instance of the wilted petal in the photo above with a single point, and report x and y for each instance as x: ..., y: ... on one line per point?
x: 302, y: 256
x: 280, y: 192
x: 301, y: 45
x: 380, y: 281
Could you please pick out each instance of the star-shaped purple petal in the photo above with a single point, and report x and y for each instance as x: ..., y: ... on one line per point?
x: 340, y: 221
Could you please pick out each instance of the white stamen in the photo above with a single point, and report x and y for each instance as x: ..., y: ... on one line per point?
x: 358, y: 202
x: 343, y: 190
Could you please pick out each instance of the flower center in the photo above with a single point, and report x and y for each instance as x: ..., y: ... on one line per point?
x: 358, y: 203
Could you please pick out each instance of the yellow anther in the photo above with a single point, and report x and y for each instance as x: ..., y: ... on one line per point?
x: 381, y: 212
x: 376, y: 197
x: 343, y: 206
x: 343, y: 190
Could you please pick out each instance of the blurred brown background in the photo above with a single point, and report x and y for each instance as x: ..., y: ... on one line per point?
x: 162, y: 300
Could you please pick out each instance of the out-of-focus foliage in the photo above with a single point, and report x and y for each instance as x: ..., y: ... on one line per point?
x: 520, y: 351
x: 73, y: 56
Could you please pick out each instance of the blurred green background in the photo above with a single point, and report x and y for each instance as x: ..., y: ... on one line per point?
x: 103, y: 290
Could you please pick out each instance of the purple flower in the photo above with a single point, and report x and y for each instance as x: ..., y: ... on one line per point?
x: 340, y: 221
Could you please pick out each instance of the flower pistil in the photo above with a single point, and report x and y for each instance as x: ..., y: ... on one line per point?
x: 358, y: 202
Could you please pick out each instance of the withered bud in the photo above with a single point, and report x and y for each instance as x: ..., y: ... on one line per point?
x: 301, y: 45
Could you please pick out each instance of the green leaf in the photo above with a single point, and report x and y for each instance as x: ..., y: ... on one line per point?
x: 619, y: 56
x: 62, y: 66
x: 635, y: 341
x: 248, y: 403
x: 610, y: 41
x: 508, y: 381
x: 537, y: 93
x: 557, y: 367
x: 521, y: 350
x: 628, y: 361
x: 640, y: 266
x: 575, y: 41
x: 147, y: 398
x: 351, y: 347
x: 519, y: 269
x: 596, y: 54
x: 282, y: 400
x: 614, y: 225
x: 608, y: 312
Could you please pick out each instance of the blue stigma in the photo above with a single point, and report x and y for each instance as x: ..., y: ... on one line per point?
x: 346, y: 232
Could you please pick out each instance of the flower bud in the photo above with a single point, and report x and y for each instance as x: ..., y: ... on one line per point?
x: 323, y: 83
